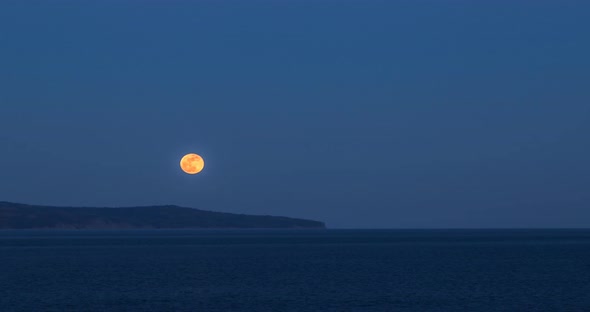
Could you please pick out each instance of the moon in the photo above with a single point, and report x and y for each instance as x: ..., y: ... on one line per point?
x: 192, y: 163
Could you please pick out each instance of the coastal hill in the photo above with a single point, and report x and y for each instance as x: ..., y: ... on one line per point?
x: 21, y: 216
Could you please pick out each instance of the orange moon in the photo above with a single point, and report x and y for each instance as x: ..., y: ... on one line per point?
x: 192, y: 163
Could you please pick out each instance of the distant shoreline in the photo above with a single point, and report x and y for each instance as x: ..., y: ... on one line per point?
x: 15, y: 216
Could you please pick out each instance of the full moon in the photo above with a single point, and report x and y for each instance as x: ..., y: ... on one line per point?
x: 192, y: 163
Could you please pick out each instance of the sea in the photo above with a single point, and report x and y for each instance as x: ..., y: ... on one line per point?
x: 294, y: 270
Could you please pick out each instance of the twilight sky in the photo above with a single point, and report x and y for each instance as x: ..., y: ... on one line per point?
x: 363, y: 114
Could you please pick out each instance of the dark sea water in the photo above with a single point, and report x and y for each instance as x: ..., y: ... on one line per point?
x: 313, y: 270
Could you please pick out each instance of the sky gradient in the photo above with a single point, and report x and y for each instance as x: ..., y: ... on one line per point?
x: 362, y: 114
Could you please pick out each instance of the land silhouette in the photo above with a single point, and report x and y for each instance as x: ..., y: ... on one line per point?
x: 22, y: 216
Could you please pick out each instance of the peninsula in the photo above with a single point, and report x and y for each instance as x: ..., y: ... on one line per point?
x: 21, y: 216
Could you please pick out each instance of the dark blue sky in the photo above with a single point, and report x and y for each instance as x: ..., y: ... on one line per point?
x: 358, y: 113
